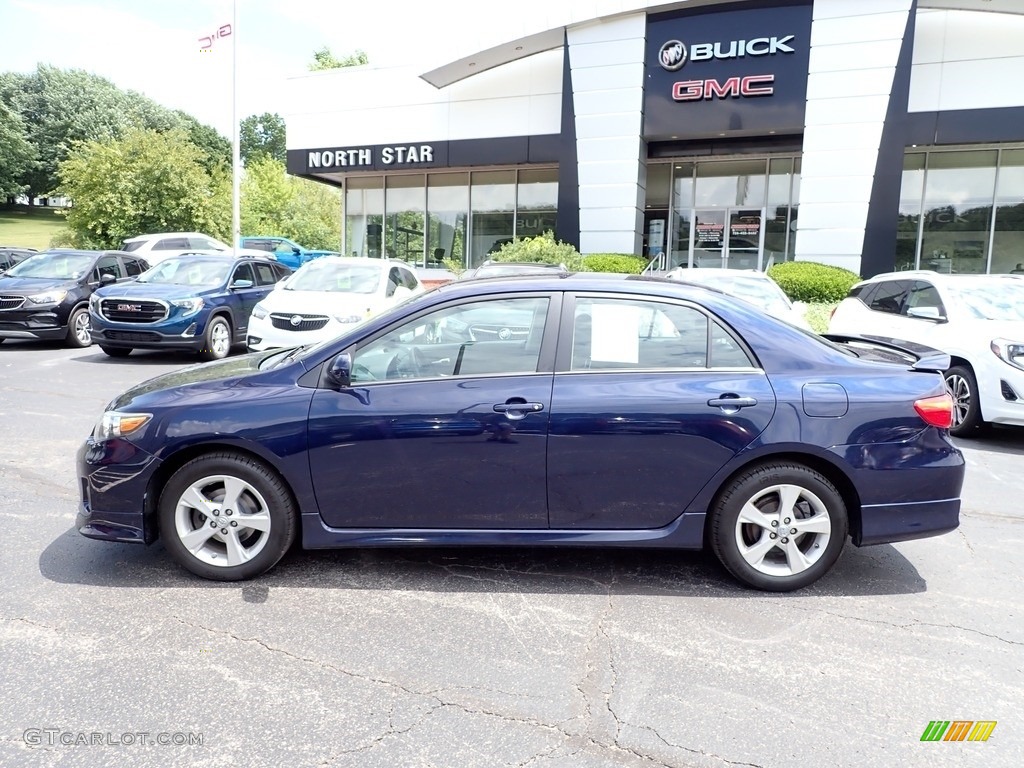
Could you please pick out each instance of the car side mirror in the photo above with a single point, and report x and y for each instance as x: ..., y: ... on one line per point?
x: 106, y: 278
x: 926, y: 313
x: 240, y: 284
x: 339, y: 371
x: 296, y: 251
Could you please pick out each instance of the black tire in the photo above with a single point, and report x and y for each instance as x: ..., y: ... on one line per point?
x: 263, y: 494
x: 963, y: 387
x: 213, y: 348
x: 815, y: 503
x: 79, y: 332
x: 116, y: 351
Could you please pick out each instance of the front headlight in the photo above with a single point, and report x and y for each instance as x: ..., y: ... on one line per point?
x: 119, y: 424
x: 259, y: 311
x: 50, y: 297
x: 1011, y: 352
x: 191, y: 306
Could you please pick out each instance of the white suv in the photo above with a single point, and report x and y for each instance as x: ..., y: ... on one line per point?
x: 156, y: 248
x: 978, y: 320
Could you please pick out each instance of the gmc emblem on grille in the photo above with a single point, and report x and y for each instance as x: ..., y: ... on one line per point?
x: 129, y: 307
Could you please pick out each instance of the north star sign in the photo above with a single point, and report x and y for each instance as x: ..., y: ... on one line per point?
x: 363, y: 157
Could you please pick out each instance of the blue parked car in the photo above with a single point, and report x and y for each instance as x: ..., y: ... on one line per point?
x: 286, y: 251
x: 200, y: 303
x: 578, y: 410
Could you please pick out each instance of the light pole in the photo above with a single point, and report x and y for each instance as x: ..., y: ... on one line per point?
x: 236, y: 155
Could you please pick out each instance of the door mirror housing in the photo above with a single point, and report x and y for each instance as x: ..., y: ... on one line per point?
x: 926, y: 313
x: 339, y: 371
x: 106, y: 279
x: 239, y: 284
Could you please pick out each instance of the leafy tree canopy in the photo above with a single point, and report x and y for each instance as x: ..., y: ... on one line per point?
x: 16, y: 154
x: 324, y: 59
x: 262, y: 136
x: 274, y: 203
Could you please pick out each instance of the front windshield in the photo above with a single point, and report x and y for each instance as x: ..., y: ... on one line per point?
x: 54, y: 266
x: 992, y: 300
x: 335, y: 277
x: 206, y: 273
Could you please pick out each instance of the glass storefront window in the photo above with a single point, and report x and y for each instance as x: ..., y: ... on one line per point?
x: 1008, y: 238
x: 492, y: 219
x: 447, y: 217
x: 364, y: 216
x: 536, y: 202
x: 909, y: 222
x: 404, y: 205
x: 730, y: 183
x: 958, y: 194
x: 777, y: 210
x: 656, y: 229
x: 682, y: 213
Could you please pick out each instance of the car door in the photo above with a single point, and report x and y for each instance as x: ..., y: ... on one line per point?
x: 651, y: 398
x: 245, y: 297
x: 445, y: 424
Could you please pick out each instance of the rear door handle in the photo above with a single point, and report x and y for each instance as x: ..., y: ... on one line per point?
x: 518, y: 410
x: 732, y: 402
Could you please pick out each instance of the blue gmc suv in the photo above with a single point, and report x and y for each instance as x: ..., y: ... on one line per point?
x: 200, y: 303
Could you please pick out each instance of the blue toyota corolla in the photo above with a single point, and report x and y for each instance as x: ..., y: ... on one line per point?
x: 191, y: 302
x: 579, y: 410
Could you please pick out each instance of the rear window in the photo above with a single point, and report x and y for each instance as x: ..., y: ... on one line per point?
x: 128, y: 245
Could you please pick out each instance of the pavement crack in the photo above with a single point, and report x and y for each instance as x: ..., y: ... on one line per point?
x: 966, y: 541
x: 909, y: 624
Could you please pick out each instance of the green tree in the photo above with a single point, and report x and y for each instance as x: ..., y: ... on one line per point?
x: 146, y: 181
x: 262, y: 135
x: 274, y: 203
x: 324, y: 59
x: 61, y: 107
x: 16, y: 155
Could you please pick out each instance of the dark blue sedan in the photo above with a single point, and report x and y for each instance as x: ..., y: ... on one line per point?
x: 192, y: 302
x: 576, y: 410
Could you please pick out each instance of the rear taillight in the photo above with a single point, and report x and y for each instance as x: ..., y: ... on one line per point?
x: 936, y: 411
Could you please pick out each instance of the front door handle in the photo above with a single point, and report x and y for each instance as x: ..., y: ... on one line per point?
x: 518, y: 410
x: 732, y: 403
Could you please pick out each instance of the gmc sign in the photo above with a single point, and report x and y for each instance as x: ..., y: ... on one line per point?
x: 733, y: 87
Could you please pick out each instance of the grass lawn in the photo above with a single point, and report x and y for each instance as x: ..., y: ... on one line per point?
x: 29, y: 227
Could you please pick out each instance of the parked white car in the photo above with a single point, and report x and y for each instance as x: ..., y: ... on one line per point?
x: 978, y: 320
x: 156, y: 248
x: 327, y: 297
x: 750, y: 285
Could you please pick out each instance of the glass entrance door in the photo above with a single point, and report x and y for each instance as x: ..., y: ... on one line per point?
x: 732, y: 238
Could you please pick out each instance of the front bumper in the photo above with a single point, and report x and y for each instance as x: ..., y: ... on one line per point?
x: 39, y: 324
x: 263, y: 336
x: 189, y: 336
x: 113, y: 480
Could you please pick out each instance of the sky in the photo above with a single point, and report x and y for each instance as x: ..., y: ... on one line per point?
x: 152, y: 46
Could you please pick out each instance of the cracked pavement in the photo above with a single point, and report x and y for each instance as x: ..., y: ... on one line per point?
x: 486, y: 657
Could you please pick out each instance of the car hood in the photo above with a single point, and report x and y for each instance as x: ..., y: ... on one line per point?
x: 26, y: 286
x: 190, y: 382
x: 319, y: 302
x: 153, y: 291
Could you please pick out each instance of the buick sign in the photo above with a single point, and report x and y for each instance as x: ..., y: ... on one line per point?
x: 672, y: 55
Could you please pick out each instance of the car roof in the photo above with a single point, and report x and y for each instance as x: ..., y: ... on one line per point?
x: 582, y: 281
x: 927, y: 274
x: 137, y: 238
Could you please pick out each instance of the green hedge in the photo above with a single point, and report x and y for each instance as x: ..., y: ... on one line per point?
x: 625, y: 263
x: 542, y: 249
x: 812, y: 282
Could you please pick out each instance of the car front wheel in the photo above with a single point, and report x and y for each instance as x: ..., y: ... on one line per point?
x: 226, y: 517
x: 963, y: 388
x: 217, y: 343
x: 779, y: 526
x: 79, y: 328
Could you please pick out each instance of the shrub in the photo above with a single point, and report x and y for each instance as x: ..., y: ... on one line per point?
x: 812, y: 282
x: 625, y: 263
x: 542, y: 249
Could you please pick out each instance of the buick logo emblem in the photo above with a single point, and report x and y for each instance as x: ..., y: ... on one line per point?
x: 672, y: 55
x: 296, y: 321
x: 505, y: 334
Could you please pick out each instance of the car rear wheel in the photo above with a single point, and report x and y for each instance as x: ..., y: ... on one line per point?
x: 963, y: 388
x: 217, y: 340
x: 79, y: 328
x: 116, y: 351
x: 779, y: 526
x: 226, y: 517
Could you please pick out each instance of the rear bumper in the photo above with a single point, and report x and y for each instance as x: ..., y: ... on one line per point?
x: 889, y: 523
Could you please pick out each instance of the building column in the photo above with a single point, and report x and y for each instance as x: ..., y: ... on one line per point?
x: 856, y: 107
x: 607, y: 74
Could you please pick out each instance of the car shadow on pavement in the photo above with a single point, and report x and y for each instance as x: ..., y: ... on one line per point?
x: 139, y: 357
x: 73, y: 559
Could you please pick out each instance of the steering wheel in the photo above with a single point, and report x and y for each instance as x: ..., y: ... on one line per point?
x: 361, y: 373
x: 407, y: 364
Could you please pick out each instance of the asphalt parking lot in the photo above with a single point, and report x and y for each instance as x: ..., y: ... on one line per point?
x: 484, y: 657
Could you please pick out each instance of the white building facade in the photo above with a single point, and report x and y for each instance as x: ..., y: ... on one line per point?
x: 875, y: 135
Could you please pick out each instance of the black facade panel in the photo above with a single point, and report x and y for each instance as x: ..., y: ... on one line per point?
x: 567, y: 218
x: 506, y: 150
x: 545, y: 149
x: 879, y: 253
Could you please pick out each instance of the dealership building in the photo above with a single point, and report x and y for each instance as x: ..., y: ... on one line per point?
x: 875, y: 135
